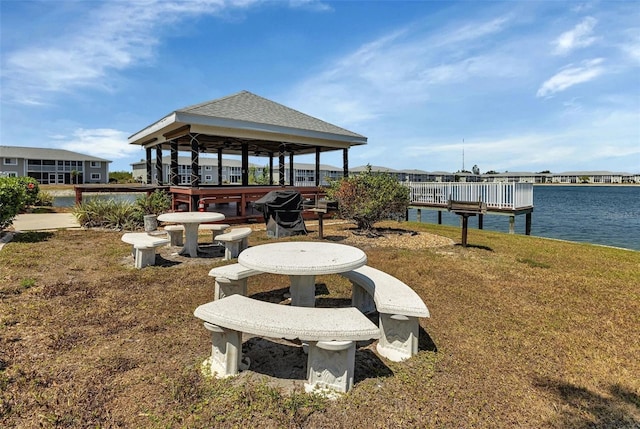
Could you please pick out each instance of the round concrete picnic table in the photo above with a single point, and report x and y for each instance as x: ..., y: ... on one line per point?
x: 302, y: 261
x: 191, y: 221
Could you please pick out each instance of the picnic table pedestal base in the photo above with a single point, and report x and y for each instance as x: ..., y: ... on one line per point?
x: 330, y: 365
x: 303, y: 291
x: 191, y: 240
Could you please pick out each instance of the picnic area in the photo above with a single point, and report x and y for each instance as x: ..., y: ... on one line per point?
x: 523, y: 332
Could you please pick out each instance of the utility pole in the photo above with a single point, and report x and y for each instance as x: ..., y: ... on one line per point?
x: 462, y: 154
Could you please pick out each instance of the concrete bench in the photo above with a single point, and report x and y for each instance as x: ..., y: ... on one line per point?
x: 231, y: 279
x: 144, y: 247
x: 235, y: 241
x: 399, y: 307
x: 176, y: 232
x: 215, y: 228
x: 330, y: 332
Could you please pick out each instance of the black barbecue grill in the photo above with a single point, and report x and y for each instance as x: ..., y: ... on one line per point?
x: 282, y: 212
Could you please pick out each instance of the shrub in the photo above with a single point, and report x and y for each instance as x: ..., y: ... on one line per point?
x: 32, y: 189
x: 13, y: 197
x: 111, y: 214
x: 99, y: 213
x: 44, y: 199
x: 153, y: 204
x: 369, y: 197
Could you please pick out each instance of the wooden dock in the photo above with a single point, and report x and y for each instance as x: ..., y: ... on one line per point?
x: 504, y: 199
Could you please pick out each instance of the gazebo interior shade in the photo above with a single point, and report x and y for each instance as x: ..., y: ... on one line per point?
x: 245, y: 120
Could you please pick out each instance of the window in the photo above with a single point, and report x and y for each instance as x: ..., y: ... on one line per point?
x: 11, y: 174
x: 95, y: 176
x: 208, y: 178
x: 96, y: 164
x: 11, y: 161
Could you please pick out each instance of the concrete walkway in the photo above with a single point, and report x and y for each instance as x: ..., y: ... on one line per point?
x: 39, y: 222
x: 44, y: 221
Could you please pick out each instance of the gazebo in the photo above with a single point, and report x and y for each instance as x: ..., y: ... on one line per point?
x: 244, y: 125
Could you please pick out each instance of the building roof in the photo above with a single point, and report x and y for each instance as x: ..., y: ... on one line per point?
x: 375, y: 168
x: 245, y: 118
x: 45, y: 153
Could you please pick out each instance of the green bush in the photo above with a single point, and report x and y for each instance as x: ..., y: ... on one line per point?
x: 32, y: 189
x: 100, y: 213
x: 369, y: 197
x: 13, y: 197
x: 111, y: 214
x: 153, y: 204
x: 44, y: 199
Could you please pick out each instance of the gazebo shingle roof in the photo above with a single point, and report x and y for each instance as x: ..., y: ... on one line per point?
x: 248, y: 107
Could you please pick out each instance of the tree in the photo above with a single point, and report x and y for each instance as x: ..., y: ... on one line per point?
x: 120, y: 176
x: 369, y: 197
x: 259, y: 176
x: 475, y: 169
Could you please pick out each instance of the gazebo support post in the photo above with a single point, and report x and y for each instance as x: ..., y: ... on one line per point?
x: 245, y: 164
x: 219, y: 166
x: 174, y: 164
x: 345, y: 162
x: 149, y: 173
x: 281, y: 164
x: 291, y: 172
x: 159, y: 165
x: 317, y: 166
x: 271, y: 168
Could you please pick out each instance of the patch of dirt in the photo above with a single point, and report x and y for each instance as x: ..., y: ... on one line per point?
x: 389, y: 237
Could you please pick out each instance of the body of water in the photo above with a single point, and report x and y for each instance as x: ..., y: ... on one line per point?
x: 608, y: 215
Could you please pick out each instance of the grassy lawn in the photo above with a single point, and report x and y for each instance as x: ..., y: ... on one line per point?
x: 524, y: 332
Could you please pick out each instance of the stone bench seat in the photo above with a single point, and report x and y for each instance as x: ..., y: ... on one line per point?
x: 330, y: 332
x: 231, y: 279
x: 235, y: 241
x: 399, y: 307
x: 144, y: 247
x: 176, y: 232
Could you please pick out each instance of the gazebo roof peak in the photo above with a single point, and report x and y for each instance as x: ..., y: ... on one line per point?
x: 248, y: 107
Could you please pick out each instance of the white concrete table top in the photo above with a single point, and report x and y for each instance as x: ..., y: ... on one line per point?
x: 302, y: 261
x: 191, y: 221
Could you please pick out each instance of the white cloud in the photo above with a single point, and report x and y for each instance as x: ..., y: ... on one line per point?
x: 313, y: 5
x: 112, y: 37
x: 578, y: 37
x: 101, y: 142
x: 571, y: 76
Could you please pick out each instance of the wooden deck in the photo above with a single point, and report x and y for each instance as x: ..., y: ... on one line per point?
x: 233, y: 201
x: 506, y: 199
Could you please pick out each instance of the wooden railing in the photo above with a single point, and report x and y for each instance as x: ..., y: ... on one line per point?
x: 500, y: 196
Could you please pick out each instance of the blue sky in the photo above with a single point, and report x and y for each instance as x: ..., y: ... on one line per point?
x: 517, y: 86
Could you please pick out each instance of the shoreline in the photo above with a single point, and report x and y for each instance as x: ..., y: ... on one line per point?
x: 588, y: 184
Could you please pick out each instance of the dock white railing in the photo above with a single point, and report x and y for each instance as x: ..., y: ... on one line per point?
x: 502, y: 196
